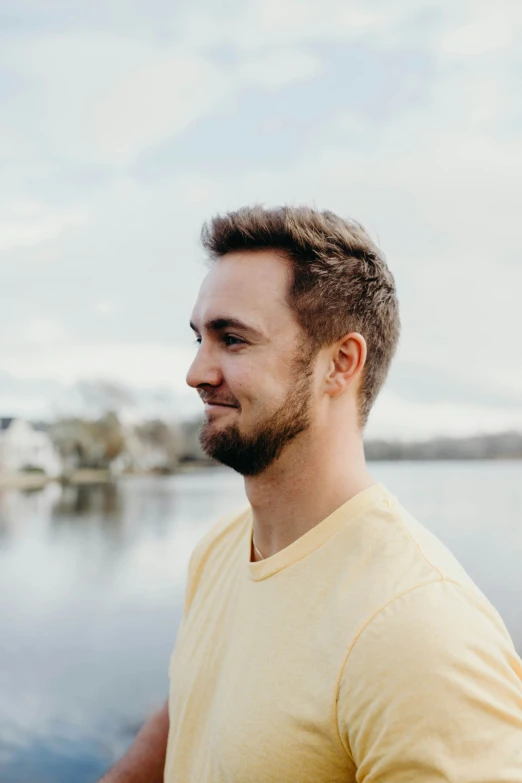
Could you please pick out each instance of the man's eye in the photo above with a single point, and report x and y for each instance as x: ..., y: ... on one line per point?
x: 229, y: 339
x: 197, y: 341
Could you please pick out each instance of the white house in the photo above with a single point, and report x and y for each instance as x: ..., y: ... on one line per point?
x: 22, y: 446
x: 149, y: 446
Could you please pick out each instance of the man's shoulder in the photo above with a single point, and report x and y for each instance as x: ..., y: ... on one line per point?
x: 439, y: 613
x: 416, y: 548
x: 433, y: 669
x: 424, y: 601
x: 391, y: 554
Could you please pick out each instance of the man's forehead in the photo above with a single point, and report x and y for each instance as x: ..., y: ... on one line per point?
x: 252, y: 290
x: 248, y: 271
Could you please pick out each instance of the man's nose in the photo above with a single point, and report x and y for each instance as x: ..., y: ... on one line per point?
x: 204, y: 370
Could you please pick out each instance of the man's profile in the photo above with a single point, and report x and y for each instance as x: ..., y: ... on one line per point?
x: 327, y: 637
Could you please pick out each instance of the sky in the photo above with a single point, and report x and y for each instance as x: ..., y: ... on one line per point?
x: 124, y: 125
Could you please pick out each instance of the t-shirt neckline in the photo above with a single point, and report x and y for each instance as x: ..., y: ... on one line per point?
x: 313, y: 538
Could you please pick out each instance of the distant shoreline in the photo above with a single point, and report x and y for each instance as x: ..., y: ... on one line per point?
x: 30, y: 481
x: 500, y: 445
x: 40, y: 480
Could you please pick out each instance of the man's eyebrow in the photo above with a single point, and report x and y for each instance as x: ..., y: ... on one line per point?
x: 227, y: 322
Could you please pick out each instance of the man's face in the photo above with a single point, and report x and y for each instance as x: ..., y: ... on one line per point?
x: 251, y: 369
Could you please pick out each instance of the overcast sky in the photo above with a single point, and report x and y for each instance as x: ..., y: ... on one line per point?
x: 125, y: 124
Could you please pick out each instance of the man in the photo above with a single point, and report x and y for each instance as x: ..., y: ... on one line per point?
x: 327, y: 636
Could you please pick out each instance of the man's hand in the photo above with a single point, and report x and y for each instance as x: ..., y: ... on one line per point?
x: 144, y: 762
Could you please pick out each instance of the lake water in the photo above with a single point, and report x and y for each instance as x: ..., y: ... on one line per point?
x: 91, y: 585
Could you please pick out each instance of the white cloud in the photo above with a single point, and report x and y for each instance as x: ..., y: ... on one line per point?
x: 104, y: 306
x: 198, y: 191
x: 435, y: 175
x: 105, y: 98
x: 267, y: 23
x: 488, y: 27
x: 279, y: 68
x: 396, y: 418
x: 27, y: 222
x: 41, y: 333
x: 155, y: 101
x: 142, y: 365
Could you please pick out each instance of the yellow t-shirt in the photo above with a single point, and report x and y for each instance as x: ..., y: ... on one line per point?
x: 361, y: 652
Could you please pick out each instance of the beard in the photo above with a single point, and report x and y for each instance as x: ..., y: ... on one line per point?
x: 251, y: 454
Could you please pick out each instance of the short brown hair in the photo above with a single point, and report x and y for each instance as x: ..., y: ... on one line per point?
x: 341, y: 282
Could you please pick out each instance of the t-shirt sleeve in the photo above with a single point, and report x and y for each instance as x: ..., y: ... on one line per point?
x: 432, y: 691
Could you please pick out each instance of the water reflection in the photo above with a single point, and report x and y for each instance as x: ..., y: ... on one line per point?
x: 91, y: 584
x: 87, y: 500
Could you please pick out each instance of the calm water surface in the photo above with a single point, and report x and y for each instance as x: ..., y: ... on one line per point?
x: 91, y: 585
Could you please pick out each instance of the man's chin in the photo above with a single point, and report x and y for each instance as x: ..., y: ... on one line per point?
x: 216, y: 412
x: 217, y: 427
x: 217, y: 424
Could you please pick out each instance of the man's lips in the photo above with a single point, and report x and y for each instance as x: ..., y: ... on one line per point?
x: 218, y: 403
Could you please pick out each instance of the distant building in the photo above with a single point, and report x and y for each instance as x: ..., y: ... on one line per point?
x: 25, y: 447
x: 151, y: 446
x: 191, y: 450
x: 88, y: 444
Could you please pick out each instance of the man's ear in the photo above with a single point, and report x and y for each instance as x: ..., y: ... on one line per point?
x: 348, y: 357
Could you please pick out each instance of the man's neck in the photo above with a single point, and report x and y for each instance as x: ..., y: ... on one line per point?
x: 304, y: 486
